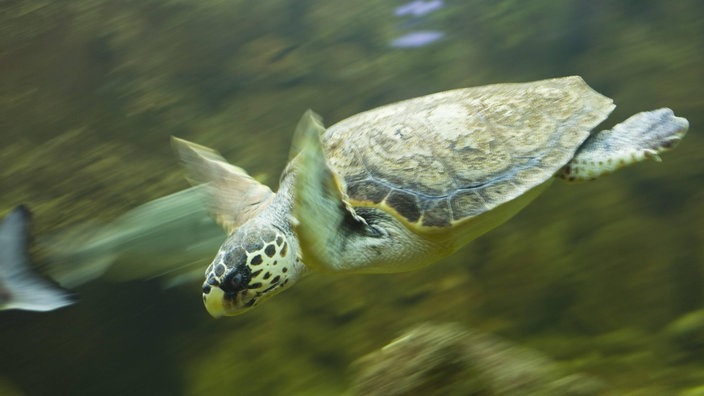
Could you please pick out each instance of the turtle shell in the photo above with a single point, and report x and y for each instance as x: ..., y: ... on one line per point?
x: 442, y: 159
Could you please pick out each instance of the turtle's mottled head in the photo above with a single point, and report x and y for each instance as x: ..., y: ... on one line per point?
x: 254, y: 263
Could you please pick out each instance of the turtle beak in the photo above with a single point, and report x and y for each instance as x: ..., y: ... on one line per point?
x: 215, y: 302
x: 228, y: 295
x: 220, y: 303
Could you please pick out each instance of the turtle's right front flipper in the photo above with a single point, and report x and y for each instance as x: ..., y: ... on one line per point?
x: 234, y: 196
x: 643, y: 135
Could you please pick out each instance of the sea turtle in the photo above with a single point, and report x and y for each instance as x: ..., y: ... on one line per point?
x: 403, y: 185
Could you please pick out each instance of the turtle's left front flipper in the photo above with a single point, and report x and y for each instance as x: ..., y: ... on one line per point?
x: 643, y: 135
x: 321, y: 213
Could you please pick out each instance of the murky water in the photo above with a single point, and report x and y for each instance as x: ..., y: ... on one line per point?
x: 590, y: 275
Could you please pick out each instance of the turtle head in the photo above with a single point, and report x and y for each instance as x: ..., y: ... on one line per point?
x: 254, y: 264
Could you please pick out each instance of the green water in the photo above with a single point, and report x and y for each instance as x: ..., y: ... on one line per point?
x: 589, y: 275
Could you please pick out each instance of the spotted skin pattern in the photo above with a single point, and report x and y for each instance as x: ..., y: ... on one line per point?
x: 643, y: 135
x: 252, y: 263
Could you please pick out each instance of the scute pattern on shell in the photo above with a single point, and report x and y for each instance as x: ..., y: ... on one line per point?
x: 436, y: 160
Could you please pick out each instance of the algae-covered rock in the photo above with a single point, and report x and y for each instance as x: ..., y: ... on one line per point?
x: 447, y: 359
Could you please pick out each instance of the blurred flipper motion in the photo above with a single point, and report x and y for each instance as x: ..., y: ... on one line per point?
x: 171, y: 238
x: 20, y: 287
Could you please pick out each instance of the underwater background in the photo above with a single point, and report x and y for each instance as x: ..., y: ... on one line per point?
x: 604, y: 278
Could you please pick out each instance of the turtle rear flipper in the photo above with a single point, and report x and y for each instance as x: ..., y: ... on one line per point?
x: 643, y: 135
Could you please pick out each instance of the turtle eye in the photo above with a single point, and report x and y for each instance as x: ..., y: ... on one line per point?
x: 235, y: 280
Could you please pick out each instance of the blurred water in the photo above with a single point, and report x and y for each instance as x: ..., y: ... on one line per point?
x: 590, y: 275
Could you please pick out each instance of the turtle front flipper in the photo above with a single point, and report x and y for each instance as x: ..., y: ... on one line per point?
x: 643, y: 135
x: 322, y: 217
x: 234, y: 196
